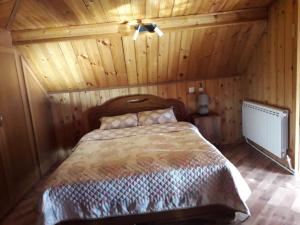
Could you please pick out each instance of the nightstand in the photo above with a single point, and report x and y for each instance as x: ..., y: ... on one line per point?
x: 209, y: 126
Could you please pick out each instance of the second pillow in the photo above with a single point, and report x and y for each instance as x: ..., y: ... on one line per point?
x: 159, y: 116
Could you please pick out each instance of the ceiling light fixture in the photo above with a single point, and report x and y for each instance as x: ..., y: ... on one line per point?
x: 148, y: 27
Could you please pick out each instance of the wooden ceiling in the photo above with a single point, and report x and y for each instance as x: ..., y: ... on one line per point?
x: 6, y: 8
x: 34, y: 14
x: 77, y: 44
x: 120, y: 61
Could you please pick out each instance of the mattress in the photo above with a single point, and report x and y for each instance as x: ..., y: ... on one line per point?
x: 141, y: 170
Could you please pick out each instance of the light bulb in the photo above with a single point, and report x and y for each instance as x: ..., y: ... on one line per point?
x: 136, y: 33
x: 158, y: 31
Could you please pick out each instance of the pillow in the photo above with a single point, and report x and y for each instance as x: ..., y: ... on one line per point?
x: 159, y: 116
x: 122, y: 121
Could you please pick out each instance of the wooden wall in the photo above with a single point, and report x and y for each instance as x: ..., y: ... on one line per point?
x: 41, y: 116
x: 69, y: 108
x: 26, y: 129
x: 5, y: 39
x: 17, y: 150
x: 270, y: 77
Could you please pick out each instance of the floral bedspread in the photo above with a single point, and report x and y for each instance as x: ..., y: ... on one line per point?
x: 140, y: 170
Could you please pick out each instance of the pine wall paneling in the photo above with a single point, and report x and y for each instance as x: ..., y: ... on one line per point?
x: 270, y: 77
x: 41, y: 116
x: 69, y: 108
x: 5, y: 39
x: 17, y: 142
x: 296, y: 90
x: 4, y: 187
x: 27, y: 144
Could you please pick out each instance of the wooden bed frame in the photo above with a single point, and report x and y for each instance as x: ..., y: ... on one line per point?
x: 206, y: 215
x: 134, y: 104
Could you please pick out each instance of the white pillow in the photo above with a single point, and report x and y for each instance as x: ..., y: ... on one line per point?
x: 121, y: 121
x: 159, y: 116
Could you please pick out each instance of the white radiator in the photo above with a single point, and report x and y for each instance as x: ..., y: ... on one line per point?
x: 266, y: 126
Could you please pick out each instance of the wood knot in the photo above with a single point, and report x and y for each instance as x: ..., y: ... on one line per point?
x: 105, y: 42
x: 84, y: 56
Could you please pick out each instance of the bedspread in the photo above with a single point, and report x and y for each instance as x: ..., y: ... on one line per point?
x: 140, y: 170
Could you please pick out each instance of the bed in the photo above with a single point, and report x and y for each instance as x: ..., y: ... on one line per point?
x: 143, y: 174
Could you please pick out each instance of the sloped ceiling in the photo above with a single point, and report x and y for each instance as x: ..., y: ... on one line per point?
x: 117, y: 60
x: 35, y: 14
x: 120, y: 61
x: 6, y: 7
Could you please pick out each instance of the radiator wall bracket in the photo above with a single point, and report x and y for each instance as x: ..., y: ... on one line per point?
x: 287, y: 158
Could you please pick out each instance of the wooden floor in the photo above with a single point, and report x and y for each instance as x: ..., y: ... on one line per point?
x: 275, y: 198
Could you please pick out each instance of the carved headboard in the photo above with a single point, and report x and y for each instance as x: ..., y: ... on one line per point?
x: 133, y: 104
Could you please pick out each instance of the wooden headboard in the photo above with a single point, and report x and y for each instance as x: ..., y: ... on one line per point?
x: 133, y: 104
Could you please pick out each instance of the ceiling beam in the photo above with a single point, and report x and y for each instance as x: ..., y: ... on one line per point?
x: 165, y: 24
x: 13, y: 14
